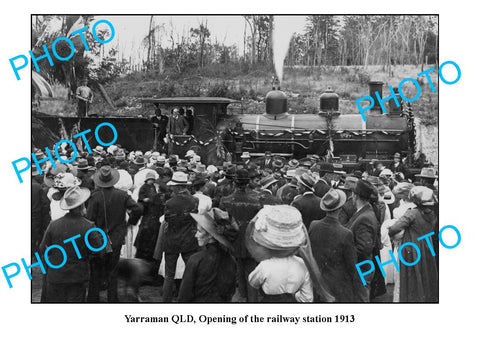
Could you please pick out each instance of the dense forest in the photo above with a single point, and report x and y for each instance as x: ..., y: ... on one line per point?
x: 325, y: 41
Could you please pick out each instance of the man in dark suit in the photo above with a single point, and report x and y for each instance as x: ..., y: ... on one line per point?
x: 40, y: 211
x: 307, y: 202
x: 397, y: 165
x: 69, y: 283
x: 179, y: 238
x: 267, y: 162
x: 243, y: 205
x: 107, y: 208
x: 333, y: 248
x: 364, y: 226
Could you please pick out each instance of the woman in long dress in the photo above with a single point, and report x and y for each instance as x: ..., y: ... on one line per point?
x: 419, y: 282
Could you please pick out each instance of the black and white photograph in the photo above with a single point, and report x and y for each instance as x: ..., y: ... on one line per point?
x: 235, y: 158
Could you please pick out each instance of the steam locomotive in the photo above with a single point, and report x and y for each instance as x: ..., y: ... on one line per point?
x: 217, y: 134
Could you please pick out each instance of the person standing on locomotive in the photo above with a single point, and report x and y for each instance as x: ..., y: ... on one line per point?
x: 177, y: 124
x: 85, y: 97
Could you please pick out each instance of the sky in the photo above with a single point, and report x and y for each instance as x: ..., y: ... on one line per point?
x: 130, y: 30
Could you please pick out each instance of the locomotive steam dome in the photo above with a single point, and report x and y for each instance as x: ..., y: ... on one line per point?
x: 276, y: 104
x: 329, y: 101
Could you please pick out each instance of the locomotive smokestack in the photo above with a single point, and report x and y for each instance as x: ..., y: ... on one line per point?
x: 276, y: 102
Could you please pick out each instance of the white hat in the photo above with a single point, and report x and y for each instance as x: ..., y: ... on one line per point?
x: 279, y: 227
x: 190, y: 153
x: 245, y: 155
x: 112, y: 149
x: 125, y: 182
x: 74, y: 197
x: 179, y: 178
x: 386, y: 172
x: 211, y: 169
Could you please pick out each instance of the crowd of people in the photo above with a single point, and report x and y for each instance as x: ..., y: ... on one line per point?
x: 273, y: 230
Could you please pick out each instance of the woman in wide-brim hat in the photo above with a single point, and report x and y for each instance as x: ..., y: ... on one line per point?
x: 275, y: 237
x: 210, y: 274
x: 418, y: 282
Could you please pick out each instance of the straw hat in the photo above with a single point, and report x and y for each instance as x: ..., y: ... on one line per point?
x: 427, y: 172
x: 65, y: 180
x: 306, y: 180
x: 200, y: 168
x: 212, y: 169
x: 190, y: 153
x: 99, y: 150
x: 125, y: 182
x: 179, y: 178
x: 245, y: 155
x: 421, y: 195
x: 279, y: 227
x: 150, y: 175
x: 106, y: 177
x: 74, y: 197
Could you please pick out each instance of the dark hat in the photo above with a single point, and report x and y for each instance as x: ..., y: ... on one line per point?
x: 83, y: 164
x: 364, y: 189
x: 199, y: 179
x: 172, y: 159
x: 326, y: 167
x: 277, y: 163
x: 123, y: 165
x: 306, y: 180
x: 333, y: 200
x: 106, y: 177
x: 140, y: 160
x: 243, y: 176
x: 357, y: 173
x: 230, y: 172
x: 321, y: 188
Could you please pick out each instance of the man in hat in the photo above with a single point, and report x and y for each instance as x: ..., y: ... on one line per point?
x: 242, y: 206
x: 307, y: 202
x: 85, y: 97
x: 69, y: 283
x: 226, y: 187
x: 266, y: 163
x: 199, y: 180
x: 40, y: 211
x: 349, y: 209
x: 326, y: 170
x: 333, y: 248
x: 84, y: 174
x: 397, y: 165
x: 364, y: 226
x: 107, y: 209
x: 268, y: 190
x: 177, y: 124
x: 289, y: 190
x: 179, y: 237
x: 245, y: 158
